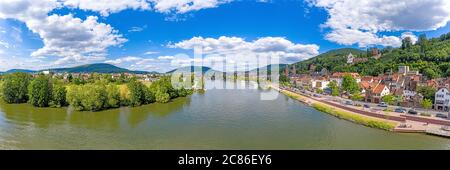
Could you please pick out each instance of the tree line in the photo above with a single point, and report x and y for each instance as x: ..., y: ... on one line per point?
x: 92, y: 95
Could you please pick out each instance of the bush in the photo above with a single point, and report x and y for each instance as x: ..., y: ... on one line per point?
x: 137, y: 93
x: 58, y: 96
x: 40, y: 91
x: 113, y: 96
x: 15, y: 87
x: 88, y: 97
x: 162, y: 97
x: 425, y: 114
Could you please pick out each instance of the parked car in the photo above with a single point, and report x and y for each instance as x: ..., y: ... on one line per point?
x: 382, y: 104
x: 412, y: 111
x: 400, y: 110
x: 366, y: 106
x: 443, y: 116
x: 316, y: 95
x: 348, y: 102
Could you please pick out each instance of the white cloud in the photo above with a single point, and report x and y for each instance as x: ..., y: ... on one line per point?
x: 358, y: 22
x: 123, y: 60
x: 137, y: 29
x: 166, y: 57
x: 150, y: 52
x: 184, y: 6
x: 75, y: 40
x: 287, y: 51
x: 410, y: 35
x: 106, y: 7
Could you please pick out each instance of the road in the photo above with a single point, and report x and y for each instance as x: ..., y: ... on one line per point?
x: 372, y: 105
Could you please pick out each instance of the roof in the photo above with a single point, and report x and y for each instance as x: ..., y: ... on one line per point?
x: 342, y: 74
x: 364, y: 85
x: 378, y: 89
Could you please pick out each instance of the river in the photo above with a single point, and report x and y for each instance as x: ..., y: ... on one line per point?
x: 216, y: 119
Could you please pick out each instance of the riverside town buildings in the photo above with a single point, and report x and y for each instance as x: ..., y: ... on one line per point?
x: 403, y: 84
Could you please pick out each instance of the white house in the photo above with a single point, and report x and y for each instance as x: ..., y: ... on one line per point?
x: 320, y: 83
x: 350, y: 58
x: 442, y: 99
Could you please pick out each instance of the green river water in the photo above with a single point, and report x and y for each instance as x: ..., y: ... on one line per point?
x: 216, y: 119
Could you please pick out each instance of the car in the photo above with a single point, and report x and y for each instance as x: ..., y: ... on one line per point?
x: 412, y: 111
x: 366, y: 106
x: 316, y: 95
x: 348, y: 102
x: 400, y: 110
x: 443, y: 116
x: 382, y: 104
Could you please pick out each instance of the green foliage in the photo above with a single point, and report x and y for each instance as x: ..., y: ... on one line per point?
x: 427, y: 103
x: 349, y: 84
x: 389, y: 99
x: 137, y: 93
x: 284, y: 78
x: 162, y: 97
x: 40, y: 91
x: 357, y: 97
x: 58, y: 96
x: 112, y: 96
x: 88, y: 97
x: 427, y: 92
x: 334, y: 88
x: 428, y: 56
x: 15, y: 87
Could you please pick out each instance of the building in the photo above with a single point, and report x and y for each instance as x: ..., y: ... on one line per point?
x: 375, y: 94
x: 319, y: 83
x: 403, y: 70
x: 350, y: 58
x: 338, y: 77
x: 442, y: 99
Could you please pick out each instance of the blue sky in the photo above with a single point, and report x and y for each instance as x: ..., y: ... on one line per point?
x: 150, y: 34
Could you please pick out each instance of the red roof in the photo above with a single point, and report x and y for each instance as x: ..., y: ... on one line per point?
x: 378, y: 89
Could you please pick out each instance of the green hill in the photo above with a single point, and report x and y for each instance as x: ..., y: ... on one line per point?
x: 88, y: 68
x: 429, y: 56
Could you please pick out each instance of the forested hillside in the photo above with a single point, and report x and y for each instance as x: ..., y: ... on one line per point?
x: 429, y: 56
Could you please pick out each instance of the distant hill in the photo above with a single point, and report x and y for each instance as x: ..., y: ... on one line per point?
x: 431, y: 57
x: 19, y: 70
x: 328, y: 60
x: 88, y: 68
x: 190, y: 68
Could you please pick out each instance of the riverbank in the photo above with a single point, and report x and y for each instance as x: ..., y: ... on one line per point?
x: 344, y: 114
x: 390, y: 121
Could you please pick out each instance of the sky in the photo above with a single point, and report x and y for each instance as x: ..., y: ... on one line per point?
x: 160, y: 35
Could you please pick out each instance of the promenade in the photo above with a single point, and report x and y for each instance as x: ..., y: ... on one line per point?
x: 405, y: 123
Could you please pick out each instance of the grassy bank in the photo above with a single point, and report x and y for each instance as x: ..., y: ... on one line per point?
x: 354, y: 117
x: 367, y: 121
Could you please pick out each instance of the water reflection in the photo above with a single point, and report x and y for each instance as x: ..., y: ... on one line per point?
x: 113, y: 119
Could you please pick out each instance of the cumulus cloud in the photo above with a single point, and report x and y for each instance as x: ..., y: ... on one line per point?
x: 123, y: 60
x: 73, y: 39
x: 358, y: 22
x: 286, y: 50
x: 106, y: 7
x: 184, y: 6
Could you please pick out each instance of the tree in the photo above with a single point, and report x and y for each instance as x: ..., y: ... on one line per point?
x: 423, y: 42
x: 427, y: 103
x: 406, y: 43
x: 162, y: 97
x: 389, y: 99
x: 357, y: 97
x: 334, y: 88
x: 59, y: 96
x: 15, y: 87
x: 137, y: 95
x: 430, y: 73
x: 112, y: 96
x: 349, y: 84
x: 427, y: 92
x: 40, y: 91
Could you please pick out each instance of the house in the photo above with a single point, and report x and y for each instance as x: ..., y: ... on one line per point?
x: 319, y: 83
x: 414, y: 101
x: 353, y: 60
x: 375, y: 94
x: 442, y: 99
x: 338, y: 77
